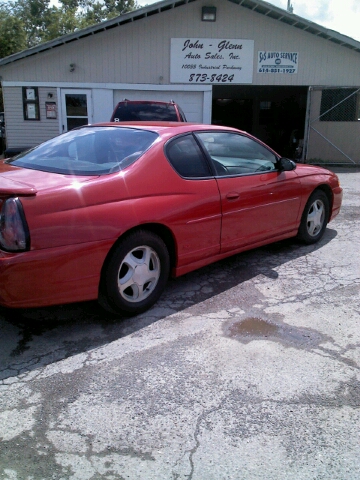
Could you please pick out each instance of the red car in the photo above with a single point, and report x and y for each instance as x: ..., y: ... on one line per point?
x: 147, y: 111
x: 109, y: 211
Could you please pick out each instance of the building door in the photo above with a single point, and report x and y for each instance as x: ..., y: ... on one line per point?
x: 274, y: 114
x: 76, y: 108
x: 333, y: 129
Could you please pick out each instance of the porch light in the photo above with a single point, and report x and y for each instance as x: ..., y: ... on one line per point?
x: 208, y: 14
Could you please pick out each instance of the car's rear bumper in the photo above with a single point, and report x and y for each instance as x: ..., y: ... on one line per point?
x: 51, y: 276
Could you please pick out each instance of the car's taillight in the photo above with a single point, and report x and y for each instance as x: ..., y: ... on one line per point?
x: 14, y: 232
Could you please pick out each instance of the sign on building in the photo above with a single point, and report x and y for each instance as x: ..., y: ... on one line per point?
x: 210, y: 60
x: 278, y: 62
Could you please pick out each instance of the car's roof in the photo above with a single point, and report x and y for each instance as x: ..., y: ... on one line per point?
x: 162, y: 127
x: 157, y: 102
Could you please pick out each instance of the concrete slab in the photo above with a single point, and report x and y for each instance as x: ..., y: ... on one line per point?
x: 246, y: 369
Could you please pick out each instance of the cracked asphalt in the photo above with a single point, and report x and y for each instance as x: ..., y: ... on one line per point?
x: 248, y: 369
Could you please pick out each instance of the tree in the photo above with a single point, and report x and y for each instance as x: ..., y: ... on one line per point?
x: 12, y: 33
x: 26, y: 23
x: 43, y: 22
x: 91, y: 12
x: 60, y: 21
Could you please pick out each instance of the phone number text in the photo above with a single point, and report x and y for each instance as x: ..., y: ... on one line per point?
x: 215, y: 77
x: 277, y: 70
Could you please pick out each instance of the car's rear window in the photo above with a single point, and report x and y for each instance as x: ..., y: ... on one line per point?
x: 88, y: 151
x: 127, y: 112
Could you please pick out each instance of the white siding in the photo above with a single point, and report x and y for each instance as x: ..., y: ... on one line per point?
x: 28, y: 133
x: 139, y: 52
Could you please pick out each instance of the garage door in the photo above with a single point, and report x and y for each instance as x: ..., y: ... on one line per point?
x: 190, y: 102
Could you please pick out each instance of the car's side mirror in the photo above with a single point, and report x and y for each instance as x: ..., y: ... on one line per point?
x: 286, y: 165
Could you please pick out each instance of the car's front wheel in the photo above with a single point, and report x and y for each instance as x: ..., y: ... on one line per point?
x: 315, y: 218
x: 135, y: 274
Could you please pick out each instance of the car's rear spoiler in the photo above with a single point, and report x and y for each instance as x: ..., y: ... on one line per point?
x: 9, y: 187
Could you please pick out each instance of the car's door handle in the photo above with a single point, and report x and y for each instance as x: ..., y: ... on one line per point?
x: 232, y: 196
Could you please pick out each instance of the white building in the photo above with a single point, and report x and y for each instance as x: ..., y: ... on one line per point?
x: 254, y: 66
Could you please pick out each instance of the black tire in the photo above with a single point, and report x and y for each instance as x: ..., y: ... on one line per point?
x: 314, y: 218
x: 135, y: 274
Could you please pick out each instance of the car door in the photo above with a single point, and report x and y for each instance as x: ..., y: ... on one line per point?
x: 258, y: 200
x: 198, y: 229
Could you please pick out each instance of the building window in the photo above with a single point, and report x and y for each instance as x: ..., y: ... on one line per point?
x: 31, y: 108
x: 266, y: 113
x: 340, y: 105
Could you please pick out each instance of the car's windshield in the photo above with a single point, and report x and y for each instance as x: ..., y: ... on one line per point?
x: 88, y: 151
x: 128, y: 111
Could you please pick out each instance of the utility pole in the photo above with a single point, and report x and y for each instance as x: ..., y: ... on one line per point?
x: 290, y: 7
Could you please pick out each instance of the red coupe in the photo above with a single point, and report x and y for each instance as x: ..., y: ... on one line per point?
x: 109, y: 211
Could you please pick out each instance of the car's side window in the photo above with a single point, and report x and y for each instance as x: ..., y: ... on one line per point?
x: 236, y: 154
x: 187, y: 159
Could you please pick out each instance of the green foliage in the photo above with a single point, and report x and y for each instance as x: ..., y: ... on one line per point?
x: 12, y: 34
x: 60, y: 22
x: 92, y: 12
x: 26, y: 23
x: 34, y: 16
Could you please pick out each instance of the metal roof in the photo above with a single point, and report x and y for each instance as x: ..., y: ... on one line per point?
x: 259, y: 6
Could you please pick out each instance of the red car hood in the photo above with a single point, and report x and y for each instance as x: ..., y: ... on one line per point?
x: 24, y: 181
x: 304, y: 170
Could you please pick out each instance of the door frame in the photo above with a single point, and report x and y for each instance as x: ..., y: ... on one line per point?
x: 89, y: 104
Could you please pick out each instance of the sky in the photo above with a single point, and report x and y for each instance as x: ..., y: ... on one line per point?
x: 343, y: 16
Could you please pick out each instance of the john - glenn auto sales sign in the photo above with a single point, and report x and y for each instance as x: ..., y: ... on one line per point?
x: 210, y: 60
x: 278, y: 62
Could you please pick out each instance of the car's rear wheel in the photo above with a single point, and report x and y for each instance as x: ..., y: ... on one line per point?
x: 315, y: 218
x: 135, y: 274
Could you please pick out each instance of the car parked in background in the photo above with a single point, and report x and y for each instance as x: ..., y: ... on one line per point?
x: 109, y: 211
x: 145, y: 110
